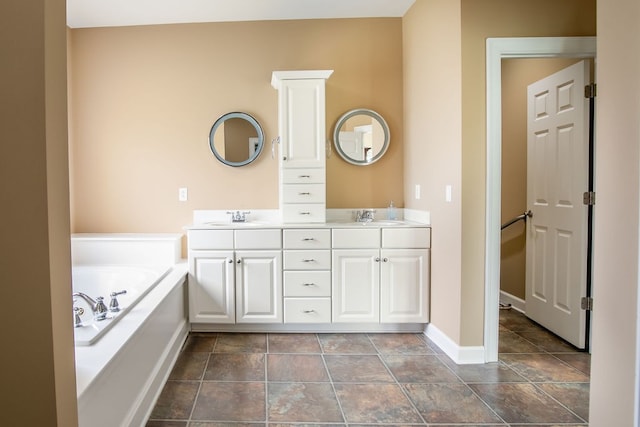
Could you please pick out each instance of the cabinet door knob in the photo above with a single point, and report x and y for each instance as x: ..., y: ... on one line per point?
x: 377, y: 259
x: 284, y: 158
x: 238, y: 261
x: 230, y: 261
x: 385, y: 259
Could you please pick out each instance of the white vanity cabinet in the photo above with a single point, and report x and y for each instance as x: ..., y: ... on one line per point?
x: 235, y: 276
x: 381, y: 275
x: 302, y: 129
x: 307, y: 275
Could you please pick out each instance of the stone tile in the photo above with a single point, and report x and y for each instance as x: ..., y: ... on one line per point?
x: 543, y: 367
x: 515, y: 321
x: 547, y: 341
x: 223, y: 424
x: 303, y: 403
x: 375, y: 403
x: 235, y: 367
x: 357, y: 368
x: 546, y: 425
x: 241, y: 343
x: 294, y: 343
x: 296, y: 368
x: 523, y: 403
x: 189, y: 366
x: 419, y: 369
x: 400, y: 344
x: 580, y: 360
x: 484, y: 373
x: 510, y: 342
x: 200, y: 342
x: 175, y: 401
x: 574, y: 396
x: 346, y: 344
x: 230, y: 401
x: 155, y: 423
x: 449, y: 403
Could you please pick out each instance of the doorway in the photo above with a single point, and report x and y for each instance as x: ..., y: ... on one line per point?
x: 496, y: 50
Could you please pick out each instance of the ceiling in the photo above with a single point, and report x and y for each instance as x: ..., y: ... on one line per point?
x: 110, y: 13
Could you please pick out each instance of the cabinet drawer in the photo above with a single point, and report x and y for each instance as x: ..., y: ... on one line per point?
x: 303, y: 212
x: 355, y: 238
x: 258, y: 239
x: 303, y: 176
x: 406, y: 238
x: 307, y: 310
x: 210, y: 239
x: 307, y: 260
x: 307, y: 283
x: 307, y: 238
x: 303, y: 193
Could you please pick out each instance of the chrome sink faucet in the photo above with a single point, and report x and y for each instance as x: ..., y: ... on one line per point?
x: 365, y: 215
x: 98, y: 306
x: 238, y: 216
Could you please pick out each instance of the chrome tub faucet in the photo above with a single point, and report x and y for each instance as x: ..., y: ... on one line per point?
x: 98, y: 306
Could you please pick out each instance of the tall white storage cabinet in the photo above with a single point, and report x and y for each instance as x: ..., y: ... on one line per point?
x: 302, y: 128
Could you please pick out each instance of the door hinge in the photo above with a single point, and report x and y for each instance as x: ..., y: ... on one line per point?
x: 586, y: 303
x: 589, y: 198
x: 590, y: 90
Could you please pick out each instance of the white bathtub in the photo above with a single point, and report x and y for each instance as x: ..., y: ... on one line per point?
x: 102, y: 280
x: 121, y: 373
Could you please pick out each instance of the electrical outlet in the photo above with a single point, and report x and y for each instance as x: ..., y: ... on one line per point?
x: 417, y: 191
x: 183, y: 194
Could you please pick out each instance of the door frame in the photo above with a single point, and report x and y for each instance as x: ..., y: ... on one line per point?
x: 496, y: 50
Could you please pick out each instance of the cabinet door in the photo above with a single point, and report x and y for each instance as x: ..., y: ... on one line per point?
x: 259, y: 286
x: 404, y: 286
x: 356, y: 285
x: 211, y: 287
x: 302, y: 123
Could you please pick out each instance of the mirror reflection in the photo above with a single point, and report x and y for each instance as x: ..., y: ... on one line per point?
x: 236, y: 139
x: 361, y: 137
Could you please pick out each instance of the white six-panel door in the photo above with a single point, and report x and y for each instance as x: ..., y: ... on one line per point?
x: 557, y: 177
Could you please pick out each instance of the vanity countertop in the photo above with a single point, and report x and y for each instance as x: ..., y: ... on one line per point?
x: 214, y: 225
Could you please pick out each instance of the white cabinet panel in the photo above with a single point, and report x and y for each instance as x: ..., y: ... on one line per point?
x: 355, y: 286
x: 406, y: 238
x: 307, y: 283
x: 210, y: 239
x: 307, y: 260
x: 307, y: 310
x: 258, y: 286
x: 307, y: 238
x: 404, y: 286
x: 211, y: 291
x: 355, y: 238
x: 258, y: 239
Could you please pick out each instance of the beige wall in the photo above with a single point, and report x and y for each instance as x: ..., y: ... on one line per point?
x: 433, y: 152
x: 614, y: 362
x: 481, y: 20
x: 517, y: 74
x: 38, y: 375
x: 143, y: 100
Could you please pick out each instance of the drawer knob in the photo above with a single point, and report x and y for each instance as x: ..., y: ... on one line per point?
x: 308, y: 284
x: 304, y: 176
x: 308, y: 239
x: 309, y: 260
x: 308, y: 311
x: 304, y: 194
x: 305, y: 213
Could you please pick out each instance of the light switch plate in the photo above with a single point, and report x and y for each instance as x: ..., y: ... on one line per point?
x: 183, y: 194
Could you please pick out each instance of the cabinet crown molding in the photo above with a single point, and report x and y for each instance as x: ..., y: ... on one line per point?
x: 278, y: 76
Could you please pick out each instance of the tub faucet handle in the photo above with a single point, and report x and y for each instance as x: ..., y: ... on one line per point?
x: 77, y: 312
x: 100, y: 311
x: 114, y: 306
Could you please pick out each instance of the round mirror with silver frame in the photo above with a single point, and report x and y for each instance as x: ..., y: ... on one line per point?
x: 361, y: 136
x: 236, y: 139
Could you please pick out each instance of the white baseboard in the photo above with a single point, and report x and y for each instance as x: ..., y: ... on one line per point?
x: 461, y: 355
x: 516, y: 303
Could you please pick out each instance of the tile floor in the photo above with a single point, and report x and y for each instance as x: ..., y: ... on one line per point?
x: 240, y: 380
